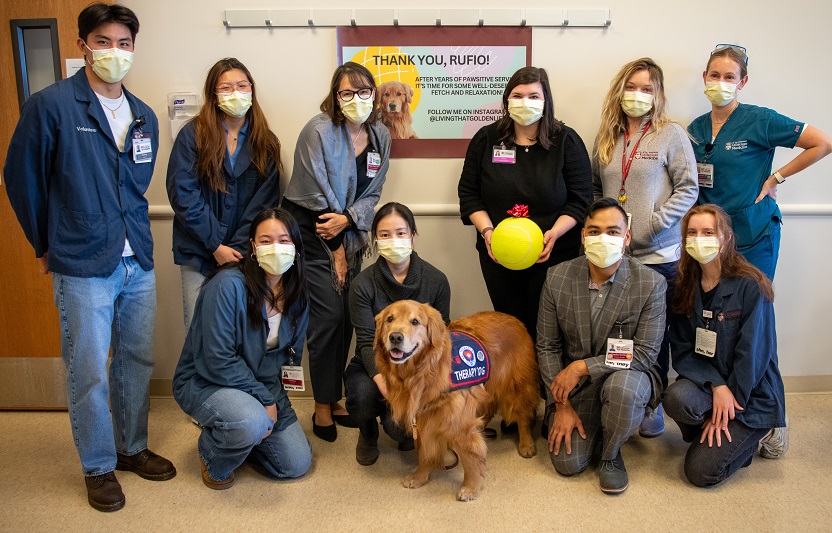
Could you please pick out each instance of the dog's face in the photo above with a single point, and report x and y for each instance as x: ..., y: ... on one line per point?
x: 405, y: 328
x: 395, y: 96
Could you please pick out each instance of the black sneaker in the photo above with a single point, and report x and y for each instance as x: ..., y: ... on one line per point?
x: 613, y: 475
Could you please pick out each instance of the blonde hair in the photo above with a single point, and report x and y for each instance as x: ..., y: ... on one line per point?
x: 613, y: 119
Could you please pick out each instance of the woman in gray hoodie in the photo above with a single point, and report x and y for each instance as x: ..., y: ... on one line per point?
x: 646, y: 161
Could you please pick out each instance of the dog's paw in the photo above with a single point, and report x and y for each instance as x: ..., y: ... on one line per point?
x: 527, y: 450
x: 414, y: 482
x: 467, y: 494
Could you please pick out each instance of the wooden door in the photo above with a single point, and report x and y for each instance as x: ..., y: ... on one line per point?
x: 32, y: 374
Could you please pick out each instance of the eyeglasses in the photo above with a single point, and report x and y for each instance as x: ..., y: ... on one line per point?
x: 227, y: 88
x: 346, y: 96
x: 735, y: 47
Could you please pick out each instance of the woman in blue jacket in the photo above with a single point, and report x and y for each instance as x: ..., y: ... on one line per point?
x: 223, y: 170
x: 250, y: 321
x: 728, y: 400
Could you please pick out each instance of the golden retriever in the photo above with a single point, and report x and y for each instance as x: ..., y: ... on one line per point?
x: 413, y: 353
x: 394, y: 102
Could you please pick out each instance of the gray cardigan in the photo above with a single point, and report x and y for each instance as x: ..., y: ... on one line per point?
x: 661, y: 186
x: 324, y: 175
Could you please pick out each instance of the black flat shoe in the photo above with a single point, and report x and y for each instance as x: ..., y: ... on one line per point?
x: 345, y: 420
x: 508, y: 429
x: 328, y: 433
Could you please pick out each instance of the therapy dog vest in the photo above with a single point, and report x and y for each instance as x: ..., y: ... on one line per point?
x: 470, y: 364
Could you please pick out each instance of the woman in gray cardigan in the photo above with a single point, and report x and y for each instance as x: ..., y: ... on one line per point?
x: 647, y: 162
x: 341, y: 162
x: 399, y: 274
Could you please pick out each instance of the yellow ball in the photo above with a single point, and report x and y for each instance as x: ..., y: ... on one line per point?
x: 516, y: 243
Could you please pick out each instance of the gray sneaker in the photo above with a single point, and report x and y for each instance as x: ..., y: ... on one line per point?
x: 652, y: 425
x: 613, y: 475
x: 776, y: 443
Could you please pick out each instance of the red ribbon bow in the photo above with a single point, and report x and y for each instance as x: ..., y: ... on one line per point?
x: 519, y: 211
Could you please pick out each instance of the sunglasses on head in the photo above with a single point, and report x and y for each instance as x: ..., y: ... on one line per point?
x: 735, y: 47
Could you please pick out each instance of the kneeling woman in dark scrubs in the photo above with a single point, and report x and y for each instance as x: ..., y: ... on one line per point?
x: 249, y: 322
x: 728, y: 400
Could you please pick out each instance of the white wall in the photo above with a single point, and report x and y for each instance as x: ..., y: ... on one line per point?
x: 180, y: 40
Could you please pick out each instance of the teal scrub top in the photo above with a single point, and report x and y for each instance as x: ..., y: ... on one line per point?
x: 742, y: 155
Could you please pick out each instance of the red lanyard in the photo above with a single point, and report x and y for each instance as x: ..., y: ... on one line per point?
x: 627, y: 162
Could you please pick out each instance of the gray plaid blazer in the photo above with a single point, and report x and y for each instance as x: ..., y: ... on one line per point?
x: 635, y: 306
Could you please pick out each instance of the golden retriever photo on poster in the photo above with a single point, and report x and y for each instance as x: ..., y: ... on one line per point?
x: 394, y: 99
x: 437, y: 388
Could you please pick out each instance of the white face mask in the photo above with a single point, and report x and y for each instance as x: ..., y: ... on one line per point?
x: 525, y: 111
x: 603, y: 250
x: 636, y: 104
x: 720, y: 93
x: 703, y: 249
x: 112, y: 64
x: 235, y: 104
x: 276, y: 258
x: 395, y: 250
x: 357, y: 110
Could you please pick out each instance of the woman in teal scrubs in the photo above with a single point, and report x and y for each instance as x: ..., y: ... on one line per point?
x: 734, y: 146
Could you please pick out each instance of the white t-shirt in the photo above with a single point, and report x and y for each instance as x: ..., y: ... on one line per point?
x: 274, y: 325
x: 120, y: 117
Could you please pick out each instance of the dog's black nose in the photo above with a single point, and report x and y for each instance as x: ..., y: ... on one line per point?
x: 393, y: 107
x: 396, y: 337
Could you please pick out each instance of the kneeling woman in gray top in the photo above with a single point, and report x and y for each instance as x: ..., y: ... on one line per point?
x: 250, y: 320
x: 398, y: 274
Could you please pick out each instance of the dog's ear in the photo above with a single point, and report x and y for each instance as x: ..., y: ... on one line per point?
x: 435, y: 325
x: 409, y: 93
x: 378, y: 343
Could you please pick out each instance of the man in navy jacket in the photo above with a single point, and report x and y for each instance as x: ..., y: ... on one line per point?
x: 78, y: 165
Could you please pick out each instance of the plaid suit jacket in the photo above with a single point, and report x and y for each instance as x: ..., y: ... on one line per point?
x: 635, y: 306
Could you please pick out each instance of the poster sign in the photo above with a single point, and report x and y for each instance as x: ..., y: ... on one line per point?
x: 437, y: 86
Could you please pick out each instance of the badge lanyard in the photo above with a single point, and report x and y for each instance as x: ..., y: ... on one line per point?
x: 627, y: 162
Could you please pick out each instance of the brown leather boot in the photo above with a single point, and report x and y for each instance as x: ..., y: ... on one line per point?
x: 147, y: 465
x: 212, y: 483
x: 104, y: 492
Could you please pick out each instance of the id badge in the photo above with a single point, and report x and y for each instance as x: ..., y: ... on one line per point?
x: 706, y: 175
x: 142, y: 150
x: 619, y: 353
x: 373, y: 164
x: 292, y: 378
x: 503, y: 155
x: 705, y: 342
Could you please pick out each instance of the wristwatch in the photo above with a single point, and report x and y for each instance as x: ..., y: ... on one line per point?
x: 778, y: 177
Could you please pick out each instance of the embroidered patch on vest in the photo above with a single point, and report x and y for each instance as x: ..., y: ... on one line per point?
x: 470, y: 364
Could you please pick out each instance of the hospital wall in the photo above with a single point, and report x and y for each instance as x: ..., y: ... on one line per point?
x: 179, y: 41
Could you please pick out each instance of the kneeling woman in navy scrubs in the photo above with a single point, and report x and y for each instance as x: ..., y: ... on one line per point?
x: 728, y: 400
x: 250, y: 320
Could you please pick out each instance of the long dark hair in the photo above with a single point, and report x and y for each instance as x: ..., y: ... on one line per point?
x: 293, y: 290
x: 360, y: 78
x: 210, y: 135
x: 732, y: 264
x: 549, y: 125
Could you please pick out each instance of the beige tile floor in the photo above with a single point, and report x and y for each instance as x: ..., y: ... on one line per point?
x: 42, y: 487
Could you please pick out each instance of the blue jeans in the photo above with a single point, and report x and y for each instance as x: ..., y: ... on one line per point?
x: 234, y: 424
x: 97, y: 314
x: 705, y: 466
x: 192, y: 280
